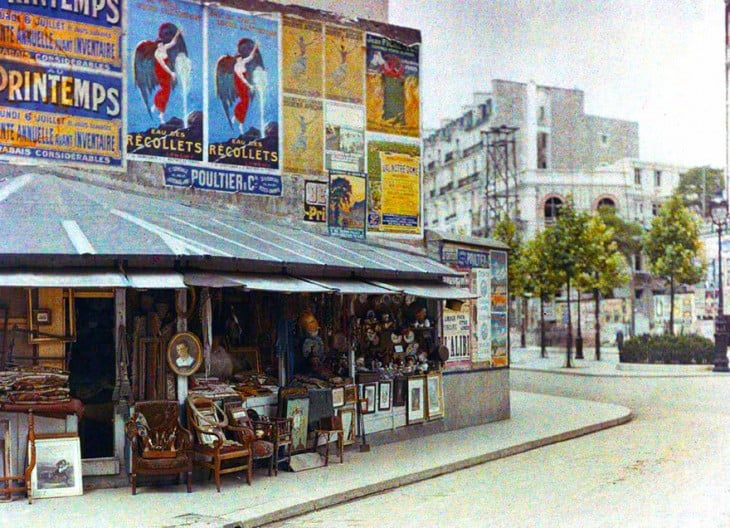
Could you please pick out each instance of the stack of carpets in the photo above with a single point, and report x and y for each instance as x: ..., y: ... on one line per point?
x: 34, y: 385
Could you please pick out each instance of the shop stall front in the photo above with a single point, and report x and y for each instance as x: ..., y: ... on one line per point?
x: 165, y: 302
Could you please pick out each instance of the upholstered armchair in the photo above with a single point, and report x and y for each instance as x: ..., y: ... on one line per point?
x: 220, y: 455
x: 160, y: 443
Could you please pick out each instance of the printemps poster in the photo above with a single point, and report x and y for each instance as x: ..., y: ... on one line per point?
x: 344, y: 64
x: 303, y: 135
x: 302, y: 41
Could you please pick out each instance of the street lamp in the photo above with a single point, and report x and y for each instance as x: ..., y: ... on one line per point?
x: 719, y: 215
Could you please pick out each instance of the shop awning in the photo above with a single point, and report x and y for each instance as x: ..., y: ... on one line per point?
x: 428, y: 290
x: 65, y: 278
x: 254, y: 281
x: 350, y: 286
x: 166, y: 280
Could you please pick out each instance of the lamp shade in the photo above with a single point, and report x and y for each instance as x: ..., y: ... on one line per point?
x: 718, y: 211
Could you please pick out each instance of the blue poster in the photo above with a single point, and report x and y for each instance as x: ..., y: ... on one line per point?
x: 165, y: 80
x: 223, y: 180
x: 243, y: 89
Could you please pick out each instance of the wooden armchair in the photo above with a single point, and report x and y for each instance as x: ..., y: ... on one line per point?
x: 327, y: 427
x: 282, y: 438
x: 160, y: 443
x: 221, y: 455
x: 262, y: 446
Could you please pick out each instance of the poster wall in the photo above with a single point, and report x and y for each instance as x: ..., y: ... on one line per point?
x: 499, y: 298
x: 393, y: 101
x: 165, y: 80
x: 483, y: 350
x: 61, y: 83
x: 347, y: 206
x: 303, y: 135
x: 395, y: 187
x: 302, y: 70
x: 344, y: 64
x: 243, y: 89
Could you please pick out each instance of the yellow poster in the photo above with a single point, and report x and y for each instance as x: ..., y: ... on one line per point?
x: 344, y: 64
x: 302, y: 46
x: 303, y: 136
x: 400, y: 188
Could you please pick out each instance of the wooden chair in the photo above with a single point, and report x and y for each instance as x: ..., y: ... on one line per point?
x: 210, y: 424
x: 282, y: 438
x: 160, y: 443
x: 328, y: 426
x: 262, y: 445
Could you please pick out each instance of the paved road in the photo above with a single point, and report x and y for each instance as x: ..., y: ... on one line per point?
x: 669, y: 467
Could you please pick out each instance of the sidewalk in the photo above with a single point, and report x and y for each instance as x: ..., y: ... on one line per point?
x: 529, y: 359
x: 537, y: 420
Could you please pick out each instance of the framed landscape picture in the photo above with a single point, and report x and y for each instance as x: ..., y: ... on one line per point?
x: 298, y: 410
x: 57, y: 471
x: 347, y: 414
x: 338, y: 397
x: 369, y: 394
x: 416, y: 409
x: 434, y: 395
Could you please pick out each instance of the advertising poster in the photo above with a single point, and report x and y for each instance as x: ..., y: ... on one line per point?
x: 498, y: 265
x: 61, y: 84
x: 221, y: 180
x: 315, y: 201
x: 303, y: 150
x: 344, y: 137
x: 165, y: 80
x: 344, y: 64
x: 347, y: 207
x: 499, y: 339
x: 395, y: 193
x: 302, y: 43
x: 457, y: 332
x: 243, y: 89
x: 483, y: 351
x: 393, y: 101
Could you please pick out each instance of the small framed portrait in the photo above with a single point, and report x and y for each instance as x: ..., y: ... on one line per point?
x: 347, y: 414
x: 434, y: 395
x: 57, y: 471
x: 370, y: 394
x: 416, y: 410
x: 338, y: 397
x: 42, y: 316
x: 385, y: 392
x: 184, y: 353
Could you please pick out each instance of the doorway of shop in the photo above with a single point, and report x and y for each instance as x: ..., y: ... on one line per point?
x: 92, y: 374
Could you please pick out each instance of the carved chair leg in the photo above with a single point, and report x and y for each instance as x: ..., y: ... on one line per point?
x: 218, y: 474
x: 190, y: 481
x: 134, y: 483
x: 271, y: 464
x: 249, y: 469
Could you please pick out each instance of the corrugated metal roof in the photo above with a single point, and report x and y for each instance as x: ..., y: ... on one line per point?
x: 427, y: 289
x: 45, y: 215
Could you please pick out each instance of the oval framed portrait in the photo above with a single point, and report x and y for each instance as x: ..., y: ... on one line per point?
x: 184, y: 353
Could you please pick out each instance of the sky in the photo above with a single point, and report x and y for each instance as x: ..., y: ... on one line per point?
x: 660, y: 63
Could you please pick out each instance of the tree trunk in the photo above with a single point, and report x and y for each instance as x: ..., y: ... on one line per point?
x: 632, y: 299
x: 523, y: 332
x: 597, y: 299
x: 579, y: 338
x: 569, y: 337
x: 543, y: 352
x: 671, y: 305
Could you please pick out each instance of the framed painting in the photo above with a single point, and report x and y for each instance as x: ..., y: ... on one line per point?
x: 434, y: 395
x: 298, y: 410
x: 415, y: 410
x: 400, y: 387
x: 350, y: 394
x: 184, y: 353
x: 369, y: 393
x: 338, y: 397
x: 347, y: 415
x: 385, y: 393
x: 57, y: 471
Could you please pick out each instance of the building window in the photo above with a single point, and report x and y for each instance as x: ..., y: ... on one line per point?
x: 552, y: 208
x: 637, y: 262
x: 542, y: 150
x: 637, y: 176
x: 657, y: 178
x: 606, y: 202
x: 604, y: 140
x: 654, y: 209
x: 541, y: 115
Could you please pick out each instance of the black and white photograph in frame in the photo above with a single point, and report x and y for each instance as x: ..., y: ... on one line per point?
x: 57, y: 471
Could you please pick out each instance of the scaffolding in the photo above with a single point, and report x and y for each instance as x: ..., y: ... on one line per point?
x: 501, y: 176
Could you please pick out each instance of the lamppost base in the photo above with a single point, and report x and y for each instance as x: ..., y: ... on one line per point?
x: 364, y: 448
x: 721, y: 340
x: 579, y: 348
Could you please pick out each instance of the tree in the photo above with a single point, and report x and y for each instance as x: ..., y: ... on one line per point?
x: 603, y: 268
x: 506, y: 232
x: 674, y: 248
x: 540, y: 276
x: 629, y: 237
x: 698, y: 186
x: 566, y: 242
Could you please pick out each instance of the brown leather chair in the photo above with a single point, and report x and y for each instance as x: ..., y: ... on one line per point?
x: 210, y: 425
x: 262, y: 444
x: 160, y: 444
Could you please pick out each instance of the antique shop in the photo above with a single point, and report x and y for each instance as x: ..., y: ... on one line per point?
x: 218, y: 260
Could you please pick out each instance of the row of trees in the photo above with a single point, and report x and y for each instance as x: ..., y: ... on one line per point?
x: 591, y: 253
